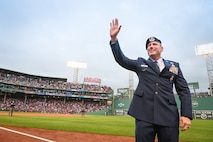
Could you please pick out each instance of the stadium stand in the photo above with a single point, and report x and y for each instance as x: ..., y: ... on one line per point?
x: 32, y: 93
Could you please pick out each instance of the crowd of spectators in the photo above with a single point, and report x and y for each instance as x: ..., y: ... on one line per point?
x: 27, y: 80
x: 51, y: 105
x: 47, y: 82
x: 54, y: 90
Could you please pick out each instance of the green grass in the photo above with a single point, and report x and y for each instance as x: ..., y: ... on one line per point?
x: 201, y: 130
x: 89, y: 124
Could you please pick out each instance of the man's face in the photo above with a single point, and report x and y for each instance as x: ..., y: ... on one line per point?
x: 154, y: 50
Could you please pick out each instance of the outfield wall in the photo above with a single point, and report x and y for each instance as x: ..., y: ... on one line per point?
x: 202, y: 107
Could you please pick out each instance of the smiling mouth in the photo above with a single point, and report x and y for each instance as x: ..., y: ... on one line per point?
x: 152, y: 51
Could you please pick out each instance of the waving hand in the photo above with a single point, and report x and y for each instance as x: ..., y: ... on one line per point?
x: 114, y: 29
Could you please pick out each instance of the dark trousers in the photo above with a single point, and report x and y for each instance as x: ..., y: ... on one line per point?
x: 146, y: 132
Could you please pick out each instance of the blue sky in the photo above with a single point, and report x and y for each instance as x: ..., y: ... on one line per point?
x: 40, y: 36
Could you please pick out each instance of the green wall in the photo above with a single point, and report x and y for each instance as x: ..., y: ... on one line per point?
x: 202, y: 107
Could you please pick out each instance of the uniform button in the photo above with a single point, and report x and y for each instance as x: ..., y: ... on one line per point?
x: 156, y: 93
x: 156, y: 84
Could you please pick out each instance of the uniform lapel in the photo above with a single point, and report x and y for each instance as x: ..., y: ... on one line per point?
x: 167, y: 65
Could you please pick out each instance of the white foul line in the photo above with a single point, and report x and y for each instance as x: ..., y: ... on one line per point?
x: 25, y: 134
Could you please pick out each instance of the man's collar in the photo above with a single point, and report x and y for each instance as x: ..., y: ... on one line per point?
x: 159, y: 60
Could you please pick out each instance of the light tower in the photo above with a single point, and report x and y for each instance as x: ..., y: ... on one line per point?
x: 131, y: 84
x: 76, y: 66
x: 206, y: 50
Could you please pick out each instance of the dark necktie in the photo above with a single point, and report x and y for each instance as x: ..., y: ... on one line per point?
x: 157, y: 67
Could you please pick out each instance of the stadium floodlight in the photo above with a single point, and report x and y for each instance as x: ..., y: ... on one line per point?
x: 206, y: 50
x: 76, y: 66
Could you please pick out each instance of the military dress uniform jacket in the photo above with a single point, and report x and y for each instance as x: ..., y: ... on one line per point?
x: 153, y: 100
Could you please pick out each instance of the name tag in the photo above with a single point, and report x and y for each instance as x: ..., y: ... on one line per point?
x: 144, y: 66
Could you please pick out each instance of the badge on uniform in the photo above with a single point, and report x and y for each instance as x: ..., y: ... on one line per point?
x: 144, y: 66
x: 173, y: 69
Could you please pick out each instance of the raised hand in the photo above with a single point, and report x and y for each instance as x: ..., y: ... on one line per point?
x: 114, y: 29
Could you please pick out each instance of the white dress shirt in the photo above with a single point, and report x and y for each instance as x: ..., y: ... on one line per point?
x: 160, y: 64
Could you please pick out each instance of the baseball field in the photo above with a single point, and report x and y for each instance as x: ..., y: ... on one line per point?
x: 90, y: 128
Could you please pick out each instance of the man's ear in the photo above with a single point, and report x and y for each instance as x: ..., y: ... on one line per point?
x: 162, y: 48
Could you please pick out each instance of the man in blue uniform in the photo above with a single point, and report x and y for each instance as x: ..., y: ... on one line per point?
x: 153, y: 104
